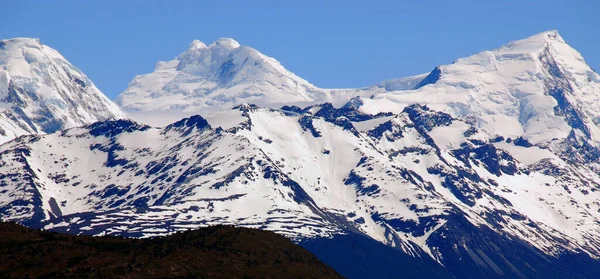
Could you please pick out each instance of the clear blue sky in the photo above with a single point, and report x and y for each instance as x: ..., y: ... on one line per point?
x: 329, y: 43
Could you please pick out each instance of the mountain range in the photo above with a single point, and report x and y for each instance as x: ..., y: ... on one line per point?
x: 484, y: 167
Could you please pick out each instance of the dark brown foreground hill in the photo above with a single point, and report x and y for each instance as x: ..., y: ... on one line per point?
x: 213, y: 252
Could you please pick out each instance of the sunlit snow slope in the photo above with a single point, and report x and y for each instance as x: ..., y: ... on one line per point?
x: 41, y: 92
x: 539, y: 88
x: 420, y: 181
x: 220, y: 74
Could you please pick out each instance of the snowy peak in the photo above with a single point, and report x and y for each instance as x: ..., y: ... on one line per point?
x: 512, y: 59
x: 18, y: 48
x: 19, y: 56
x: 538, y: 88
x: 200, y: 59
x: 226, y: 43
x: 223, y: 73
x: 524, y: 47
x: 527, y: 52
x: 41, y: 92
x: 196, y: 44
x: 222, y: 43
x: 24, y: 57
x: 536, y: 42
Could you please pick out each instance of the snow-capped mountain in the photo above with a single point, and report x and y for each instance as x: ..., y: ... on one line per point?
x: 41, y: 92
x: 214, y: 76
x: 420, y: 181
x: 538, y: 87
x: 485, y: 167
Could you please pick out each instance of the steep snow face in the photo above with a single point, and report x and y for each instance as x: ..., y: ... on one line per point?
x: 539, y: 88
x: 41, y: 92
x: 421, y: 181
x: 221, y: 74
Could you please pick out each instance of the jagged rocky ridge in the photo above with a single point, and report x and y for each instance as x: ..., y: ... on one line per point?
x: 421, y: 182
